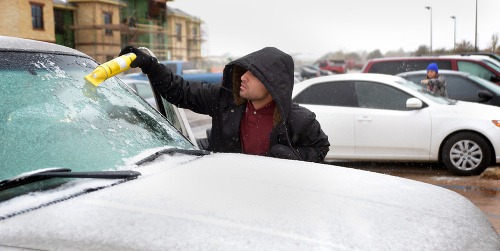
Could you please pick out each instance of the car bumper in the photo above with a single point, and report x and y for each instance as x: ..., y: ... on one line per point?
x: 493, y: 136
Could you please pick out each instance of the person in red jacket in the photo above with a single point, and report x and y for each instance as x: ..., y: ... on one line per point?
x: 252, y: 110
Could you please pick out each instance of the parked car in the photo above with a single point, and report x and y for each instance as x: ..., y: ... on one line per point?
x: 335, y: 66
x: 490, y: 61
x: 97, y: 168
x: 307, y: 73
x: 393, y: 66
x: 142, y: 88
x: 352, y: 64
x: 297, y: 76
x: 381, y: 117
x: 185, y: 69
x: 321, y: 71
x: 176, y: 116
x: 462, y: 86
x: 491, y: 55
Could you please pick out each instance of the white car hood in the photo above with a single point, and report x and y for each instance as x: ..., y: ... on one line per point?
x: 476, y: 110
x: 235, y: 201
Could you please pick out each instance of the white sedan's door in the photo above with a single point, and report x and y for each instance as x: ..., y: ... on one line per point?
x: 392, y: 134
x: 385, y: 128
x: 334, y: 104
x: 338, y: 123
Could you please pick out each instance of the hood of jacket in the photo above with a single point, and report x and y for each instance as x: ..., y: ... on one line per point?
x: 272, y: 67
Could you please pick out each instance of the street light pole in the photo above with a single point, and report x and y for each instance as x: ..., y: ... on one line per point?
x: 475, y: 37
x: 430, y: 8
x: 454, y: 31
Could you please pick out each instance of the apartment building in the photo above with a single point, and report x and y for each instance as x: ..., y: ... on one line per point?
x: 100, y: 28
x: 186, y: 35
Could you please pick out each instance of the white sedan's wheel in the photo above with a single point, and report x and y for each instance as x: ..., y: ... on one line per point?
x: 466, y: 154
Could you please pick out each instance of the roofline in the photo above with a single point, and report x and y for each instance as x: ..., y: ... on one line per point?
x: 64, y: 7
x: 112, y: 2
x: 180, y: 13
x: 61, y: 4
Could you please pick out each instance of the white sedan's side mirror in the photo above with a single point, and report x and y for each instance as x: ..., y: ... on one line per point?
x: 414, y: 103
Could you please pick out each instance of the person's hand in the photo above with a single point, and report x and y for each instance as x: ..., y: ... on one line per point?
x: 143, y: 60
x: 425, y: 81
x: 282, y: 152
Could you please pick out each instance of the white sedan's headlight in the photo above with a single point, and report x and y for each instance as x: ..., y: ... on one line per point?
x: 496, y: 122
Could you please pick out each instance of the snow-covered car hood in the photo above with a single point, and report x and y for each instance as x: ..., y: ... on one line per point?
x: 236, y: 201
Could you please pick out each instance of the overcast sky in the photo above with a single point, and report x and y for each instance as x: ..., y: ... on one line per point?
x: 315, y: 27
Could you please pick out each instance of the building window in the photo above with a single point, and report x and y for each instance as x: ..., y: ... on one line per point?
x: 178, y: 32
x: 108, y: 17
x: 59, y: 20
x: 37, y: 16
x: 194, y: 31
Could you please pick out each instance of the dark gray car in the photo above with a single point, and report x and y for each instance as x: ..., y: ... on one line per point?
x: 463, y: 86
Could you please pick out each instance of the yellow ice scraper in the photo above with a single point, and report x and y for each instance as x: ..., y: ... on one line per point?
x: 110, y: 68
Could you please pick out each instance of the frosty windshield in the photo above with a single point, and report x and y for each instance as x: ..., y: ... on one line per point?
x: 51, y: 118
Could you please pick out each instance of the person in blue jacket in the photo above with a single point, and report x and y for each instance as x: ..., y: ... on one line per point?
x: 436, y: 83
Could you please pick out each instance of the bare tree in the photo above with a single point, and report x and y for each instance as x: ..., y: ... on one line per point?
x: 464, y: 46
x: 440, y: 51
x: 398, y: 53
x: 374, y: 54
x: 422, y: 50
x: 333, y: 55
x: 353, y: 56
x: 494, y: 43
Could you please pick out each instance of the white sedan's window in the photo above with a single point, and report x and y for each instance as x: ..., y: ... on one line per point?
x: 331, y: 94
x: 380, y: 96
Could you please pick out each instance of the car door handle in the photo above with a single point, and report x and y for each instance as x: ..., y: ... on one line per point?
x: 364, y: 119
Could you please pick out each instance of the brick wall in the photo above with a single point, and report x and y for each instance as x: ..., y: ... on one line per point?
x: 16, y: 20
x: 94, y: 41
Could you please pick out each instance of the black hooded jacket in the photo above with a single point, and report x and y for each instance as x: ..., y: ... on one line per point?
x: 294, y: 126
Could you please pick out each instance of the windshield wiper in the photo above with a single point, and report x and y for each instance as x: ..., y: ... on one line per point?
x: 48, y: 173
x: 171, y: 151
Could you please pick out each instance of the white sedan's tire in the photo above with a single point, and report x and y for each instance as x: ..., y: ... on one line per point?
x: 466, y: 154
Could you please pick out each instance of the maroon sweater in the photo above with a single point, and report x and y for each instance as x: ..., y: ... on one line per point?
x: 255, y: 129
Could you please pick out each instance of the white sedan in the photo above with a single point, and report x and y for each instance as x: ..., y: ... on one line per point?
x: 383, y: 117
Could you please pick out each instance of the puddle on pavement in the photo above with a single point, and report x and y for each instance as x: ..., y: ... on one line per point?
x: 486, y: 192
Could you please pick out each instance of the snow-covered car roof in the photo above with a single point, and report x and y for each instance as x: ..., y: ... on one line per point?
x: 21, y: 44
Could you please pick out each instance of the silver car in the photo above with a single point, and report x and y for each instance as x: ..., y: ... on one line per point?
x: 97, y: 168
